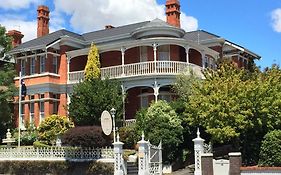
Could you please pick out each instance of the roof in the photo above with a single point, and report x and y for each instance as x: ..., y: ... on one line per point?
x: 112, y: 32
x: 200, y: 35
x: 47, y: 39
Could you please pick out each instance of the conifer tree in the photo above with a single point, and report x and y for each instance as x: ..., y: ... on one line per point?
x: 92, y: 69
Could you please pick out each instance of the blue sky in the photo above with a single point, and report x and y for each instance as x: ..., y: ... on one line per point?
x: 247, y: 23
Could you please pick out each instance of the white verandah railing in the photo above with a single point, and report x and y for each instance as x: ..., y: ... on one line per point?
x: 56, y: 153
x: 139, y: 69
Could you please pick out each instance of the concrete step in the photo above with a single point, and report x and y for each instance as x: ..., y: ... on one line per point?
x: 132, y: 168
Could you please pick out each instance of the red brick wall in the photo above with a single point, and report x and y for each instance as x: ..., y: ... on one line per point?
x: 174, y: 53
x: 195, y: 57
x: 150, y: 54
x: 78, y: 63
x: 111, y: 58
x: 132, y: 102
x: 132, y: 55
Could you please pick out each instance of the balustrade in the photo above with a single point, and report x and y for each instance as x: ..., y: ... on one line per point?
x: 55, y: 153
x: 140, y: 69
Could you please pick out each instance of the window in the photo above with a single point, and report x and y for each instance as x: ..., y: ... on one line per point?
x: 56, y: 103
x: 31, y: 110
x: 55, y: 64
x: 164, y: 53
x: 41, y: 108
x: 143, y: 54
x: 22, y: 117
x: 42, y: 63
x: 32, y: 65
x: 144, y: 101
x: 206, y: 62
x: 22, y: 67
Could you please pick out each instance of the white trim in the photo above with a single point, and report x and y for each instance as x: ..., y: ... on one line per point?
x: 38, y: 75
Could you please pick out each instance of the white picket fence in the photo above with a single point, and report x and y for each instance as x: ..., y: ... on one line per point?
x: 56, y: 153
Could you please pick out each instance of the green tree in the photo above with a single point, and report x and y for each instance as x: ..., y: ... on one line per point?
x: 161, y: 124
x: 7, y: 88
x: 92, y: 69
x: 52, y: 127
x: 236, y: 106
x: 91, y: 97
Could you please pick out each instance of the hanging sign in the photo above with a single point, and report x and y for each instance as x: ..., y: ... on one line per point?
x: 106, y: 122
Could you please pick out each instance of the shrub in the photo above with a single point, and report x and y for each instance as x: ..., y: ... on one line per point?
x: 161, y: 123
x: 52, y: 128
x: 128, y: 136
x: 86, y: 136
x: 270, y: 154
x: 97, y: 168
x: 38, y: 144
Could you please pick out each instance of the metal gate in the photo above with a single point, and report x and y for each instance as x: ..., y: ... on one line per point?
x: 155, y: 159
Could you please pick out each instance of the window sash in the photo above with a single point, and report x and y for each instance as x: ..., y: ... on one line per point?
x: 32, y: 65
x: 42, y: 64
x: 22, y: 67
x: 55, y: 64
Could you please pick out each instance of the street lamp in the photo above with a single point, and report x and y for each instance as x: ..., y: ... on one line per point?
x: 112, y: 112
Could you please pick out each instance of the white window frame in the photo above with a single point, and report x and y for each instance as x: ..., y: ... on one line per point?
x: 144, y: 100
x: 164, y: 53
x: 143, y: 54
x: 32, y: 65
x: 22, y: 66
x: 56, y: 103
x: 31, y: 113
x: 55, y: 64
x: 42, y: 63
x: 41, y: 108
x: 22, y: 127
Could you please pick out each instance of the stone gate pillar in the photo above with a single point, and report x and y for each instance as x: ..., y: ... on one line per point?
x: 118, y: 152
x: 143, y: 157
x: 198, y: 151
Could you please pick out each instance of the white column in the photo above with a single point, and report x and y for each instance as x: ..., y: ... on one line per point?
x: 155, y: 55
x: 198, y: 151
x: 68, y: 69
x: 187, y: 55
x: 123, y: 59
x: 143, y: 157
x: 118, y: 151
x: 156, y: 90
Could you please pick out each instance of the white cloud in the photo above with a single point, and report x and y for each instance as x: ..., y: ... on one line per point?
x: 27, y: 28
x: 19, y: 4
x: 276, y: 20
x: 91, y: 15
x: 188, y: 23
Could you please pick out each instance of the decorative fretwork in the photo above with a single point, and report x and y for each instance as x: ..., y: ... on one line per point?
x: 56, y: 153
x: 208, y: 148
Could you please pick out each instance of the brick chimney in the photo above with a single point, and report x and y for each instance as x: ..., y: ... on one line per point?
x: 16, y: 37
x: 173, y: 12
x: 42, y: 20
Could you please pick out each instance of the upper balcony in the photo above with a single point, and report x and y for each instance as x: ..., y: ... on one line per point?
x: 141, y: 70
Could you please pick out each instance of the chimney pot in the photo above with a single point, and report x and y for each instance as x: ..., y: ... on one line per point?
x: 109, y: 27
x: 16, y: 37
x: 42, y: 20
x: 173, y: 12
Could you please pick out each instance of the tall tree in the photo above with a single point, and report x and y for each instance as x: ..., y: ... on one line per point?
x: 92, y: 69
x: 91, y: 97
x: 7, y: 88
x: 236, y: 106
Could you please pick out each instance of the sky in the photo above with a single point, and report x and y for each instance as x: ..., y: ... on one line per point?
x: 253, y: 24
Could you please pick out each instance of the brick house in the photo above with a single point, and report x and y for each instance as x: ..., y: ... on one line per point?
x: 145, y: 57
